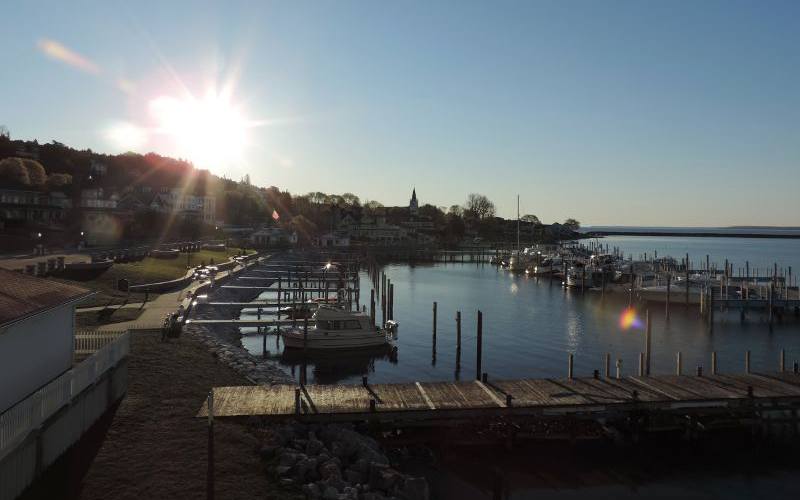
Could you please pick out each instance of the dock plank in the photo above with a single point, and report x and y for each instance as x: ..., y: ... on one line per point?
x: 393, y: 397
x: 450, y: 395
x: 337, y: 398
x: 539, y: 392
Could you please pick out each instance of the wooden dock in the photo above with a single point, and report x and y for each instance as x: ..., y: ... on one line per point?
x: 589, y: 397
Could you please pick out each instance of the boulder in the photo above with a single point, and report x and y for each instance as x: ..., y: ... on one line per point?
x: 312, y: 491
x: 288, y: 458
x: 330, y: 493
x: 283, y: 470
x: 414, y: 488
x: 329, y: 469
x: 353, y: 476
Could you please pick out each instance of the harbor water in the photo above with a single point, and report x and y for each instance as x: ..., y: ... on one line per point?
x: 531, y: 325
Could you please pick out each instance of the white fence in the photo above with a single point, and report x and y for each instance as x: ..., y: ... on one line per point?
x: 27, y: 415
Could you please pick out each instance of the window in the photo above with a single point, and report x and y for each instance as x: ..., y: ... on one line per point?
x: 352, y: 324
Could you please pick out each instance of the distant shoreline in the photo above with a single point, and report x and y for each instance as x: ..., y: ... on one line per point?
x: 709, y: 234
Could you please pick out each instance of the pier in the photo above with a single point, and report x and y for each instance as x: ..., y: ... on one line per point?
x: 444, y: 402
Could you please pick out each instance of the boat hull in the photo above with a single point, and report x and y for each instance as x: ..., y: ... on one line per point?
x: 294, y: 339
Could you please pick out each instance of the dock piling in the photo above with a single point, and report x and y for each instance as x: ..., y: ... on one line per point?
x: 608, y: 365
x: 747, y: 362
x: 479, y: 346
x: 569, y: 366
x: 678, y: 364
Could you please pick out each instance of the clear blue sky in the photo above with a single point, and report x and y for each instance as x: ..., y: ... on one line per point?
x: 680, y: 113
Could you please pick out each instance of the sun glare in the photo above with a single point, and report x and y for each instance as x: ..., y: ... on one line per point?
x: 209, y: 131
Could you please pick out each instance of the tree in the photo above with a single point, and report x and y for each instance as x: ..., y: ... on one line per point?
x: 456, y: 211
x: 12, y: 169
x: 572, y: 224
x: 351, y: 199
x: 4, y: 133
x: 55, y: 181
x: 479, y: 206
x: 530, y: 218
x: 36, y: 172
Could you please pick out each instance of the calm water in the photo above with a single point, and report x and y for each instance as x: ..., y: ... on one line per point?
x: 530, y: 326
x: 762, y: 253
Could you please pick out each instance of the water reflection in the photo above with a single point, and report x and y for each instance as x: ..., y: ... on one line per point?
x: 330, y: 367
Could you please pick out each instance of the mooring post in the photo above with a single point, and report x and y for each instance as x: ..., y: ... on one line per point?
x: 391, y: 301
x: 297, y: 402
x: 770, y: 293
x: 372, y: 306
x: 608, y: 365
x: 687, y: 280
x: 641, y: 364
x: 479, y: 350
x: 619, y: 369
x: 210, y: 471
x: 782, y: 361
x: 569, y: 366
x: 458, y: 339
x: 678, y: 364
x: 747, y: 362
x: 434, y: 323
x: 279, y: 298
x: 669, y: 283
x: 713, y: 362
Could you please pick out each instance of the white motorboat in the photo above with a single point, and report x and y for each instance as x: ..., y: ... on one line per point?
x: 334, y: 328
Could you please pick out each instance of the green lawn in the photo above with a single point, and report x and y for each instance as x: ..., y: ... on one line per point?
x: 148, y: 270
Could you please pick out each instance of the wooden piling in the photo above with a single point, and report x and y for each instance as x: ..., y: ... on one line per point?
x: 569, y: 366
x: 458, y: 339
x: 782, y: 361
x: 608, y: 365
x: 391, y: 301
x: 210, y: 470
x: 479, y: 350
x: 687, y: 280
x: 747, y: 362
x: 372, y: 306
x: 641, y: 364
x: 619, y: 369
x: 669, y: 283
x: 678, y: 363
x: 713, y: 362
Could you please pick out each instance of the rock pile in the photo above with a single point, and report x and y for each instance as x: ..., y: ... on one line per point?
x: 334, y: 462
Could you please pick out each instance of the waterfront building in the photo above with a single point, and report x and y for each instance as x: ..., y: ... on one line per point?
x: 33, y: 206
x: 187, y: 205
x: 273, y: 236
x: 36, y: 320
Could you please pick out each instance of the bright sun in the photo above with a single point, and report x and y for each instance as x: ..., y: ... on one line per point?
x: 210, y: 131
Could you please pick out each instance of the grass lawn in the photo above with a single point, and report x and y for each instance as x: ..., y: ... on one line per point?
x: 147, y: 270
x: 92, y: 319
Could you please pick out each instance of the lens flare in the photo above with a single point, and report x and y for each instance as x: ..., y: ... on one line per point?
x: 59, y: 52
x: 629, y: 320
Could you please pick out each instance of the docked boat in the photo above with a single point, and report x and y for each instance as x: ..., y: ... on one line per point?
x: 335, y: 328
x: 677, y: 293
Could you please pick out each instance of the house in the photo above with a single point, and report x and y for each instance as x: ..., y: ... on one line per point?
x: 337, y: 239
x: 37, y: 330
x: 33, y: 206
x: 273, y: 236
x: 187, y: 205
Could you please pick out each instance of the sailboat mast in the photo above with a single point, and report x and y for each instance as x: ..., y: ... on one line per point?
x: 517, y: 225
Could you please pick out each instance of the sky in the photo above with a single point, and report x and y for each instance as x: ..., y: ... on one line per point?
x: 657, y: 113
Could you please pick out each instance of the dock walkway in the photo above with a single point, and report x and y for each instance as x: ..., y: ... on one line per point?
x: 597, y: 397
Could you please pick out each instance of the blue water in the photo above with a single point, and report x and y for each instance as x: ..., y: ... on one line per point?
x: 761, y: 253
x: 530, y: 327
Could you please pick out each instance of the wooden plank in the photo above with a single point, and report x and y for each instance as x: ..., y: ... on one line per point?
x: 596, y: 391
x: 668, y: 388
x: 398, y: 397
x: 762, y: 388
x: 491, y: 394
x: 424, y: 395
x: 539, y: 392
x: 787, y: 377
x: 337, y: 398
x: 451, y: 395
x: 251, y: 400
x: 645, y: 393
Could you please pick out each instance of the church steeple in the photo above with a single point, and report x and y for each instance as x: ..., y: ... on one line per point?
x: 413, y: 205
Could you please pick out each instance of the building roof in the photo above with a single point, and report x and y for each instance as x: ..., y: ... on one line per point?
x: 22, y: 295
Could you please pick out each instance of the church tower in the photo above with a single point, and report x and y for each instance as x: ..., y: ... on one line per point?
x: 413, y: 206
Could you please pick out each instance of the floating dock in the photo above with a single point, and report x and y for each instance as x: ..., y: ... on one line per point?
x: 588, y: 397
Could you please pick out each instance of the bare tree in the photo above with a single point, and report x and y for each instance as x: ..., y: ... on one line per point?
x: 4, y: 132
x: 479, y: 206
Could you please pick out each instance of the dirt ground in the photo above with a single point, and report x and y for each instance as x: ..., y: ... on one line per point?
x: 155, y: 447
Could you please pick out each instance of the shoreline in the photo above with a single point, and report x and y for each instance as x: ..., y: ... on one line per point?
x: 600, y: 234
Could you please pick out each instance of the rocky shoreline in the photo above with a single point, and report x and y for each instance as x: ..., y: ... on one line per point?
x: 324, y: 461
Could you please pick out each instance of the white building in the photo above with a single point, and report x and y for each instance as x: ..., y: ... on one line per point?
x: 335, y: 239
x: 37, y: 330
x: 271, y: 236
x: 177, y: 201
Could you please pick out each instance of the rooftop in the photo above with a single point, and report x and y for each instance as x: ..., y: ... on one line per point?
x: 22, y: 295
